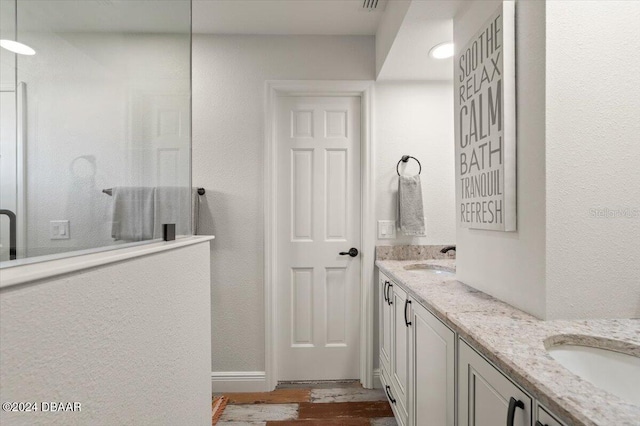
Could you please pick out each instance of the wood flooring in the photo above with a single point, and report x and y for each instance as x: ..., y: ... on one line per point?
x: 309, y: 404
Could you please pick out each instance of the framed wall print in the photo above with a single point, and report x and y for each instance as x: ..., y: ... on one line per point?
x: 485, y: 120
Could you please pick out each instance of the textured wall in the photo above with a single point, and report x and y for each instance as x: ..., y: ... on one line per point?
x: 391, y: 21
x: 593, y: 159
x: 511, y: 265
x: 416, y: 118
x: 129, y: 340
x: 229, y: 74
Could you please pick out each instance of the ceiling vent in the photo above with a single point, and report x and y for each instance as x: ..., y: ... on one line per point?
x: 373, y: 5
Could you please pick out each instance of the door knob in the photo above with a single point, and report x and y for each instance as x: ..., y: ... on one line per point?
x: 353, y: 252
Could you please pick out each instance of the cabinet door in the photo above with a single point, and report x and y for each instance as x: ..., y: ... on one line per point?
x: 400, y: 334
x: 485, y: 394
x: 433, y: 361
x: 384, y: 309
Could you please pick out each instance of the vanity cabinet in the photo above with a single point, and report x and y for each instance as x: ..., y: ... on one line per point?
x: 432, y: 377
x: 417, y: 359
x: 485, y: 396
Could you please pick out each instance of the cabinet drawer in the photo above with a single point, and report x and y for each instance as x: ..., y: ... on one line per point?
x: 545, y: 418
x: 486, y: 396
x: 388, y: 388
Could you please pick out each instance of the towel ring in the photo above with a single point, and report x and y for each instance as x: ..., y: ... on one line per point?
x: 405, y: 159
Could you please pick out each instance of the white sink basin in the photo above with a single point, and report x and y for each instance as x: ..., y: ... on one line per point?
x: 429, y: 269
x: 611, y: 371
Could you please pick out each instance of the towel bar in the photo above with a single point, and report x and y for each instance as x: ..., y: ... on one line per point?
x: 109, y: 191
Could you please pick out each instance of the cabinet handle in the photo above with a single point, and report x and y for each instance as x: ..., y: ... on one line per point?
x: 406, y: 320
x: 389, y: 299
x: 511, y: 414
x: 387, y: 389
x: 386, y: 296
x: 540, y: 424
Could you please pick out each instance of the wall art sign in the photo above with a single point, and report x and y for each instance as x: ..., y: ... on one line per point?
x: 485, y: 120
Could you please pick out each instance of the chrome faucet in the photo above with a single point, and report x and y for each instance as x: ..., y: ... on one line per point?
x: 447, y: 249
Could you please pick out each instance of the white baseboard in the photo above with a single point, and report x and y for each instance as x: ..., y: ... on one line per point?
x: 254, y: 381
x: 377, y: 384
x: 238, y: 381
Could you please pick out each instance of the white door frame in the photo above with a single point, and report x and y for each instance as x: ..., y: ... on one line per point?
x: 363, y: 90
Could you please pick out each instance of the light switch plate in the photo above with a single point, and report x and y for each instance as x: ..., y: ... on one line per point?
x: 59, y: 230
x: 386, y: 229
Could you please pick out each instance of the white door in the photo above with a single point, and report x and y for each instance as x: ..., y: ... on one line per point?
x: 318, y: 201
x: 161, y: 132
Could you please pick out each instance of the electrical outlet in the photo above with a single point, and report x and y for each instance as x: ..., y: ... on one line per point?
x: 386, y: 229
x: 59, y: 230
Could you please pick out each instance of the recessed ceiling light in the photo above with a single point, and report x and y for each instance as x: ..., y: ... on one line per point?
x: 15, y: 47
x: 442, y: 51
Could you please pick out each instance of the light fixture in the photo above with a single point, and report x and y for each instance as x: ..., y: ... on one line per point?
x: 442, y: 51
x: 15, y: 47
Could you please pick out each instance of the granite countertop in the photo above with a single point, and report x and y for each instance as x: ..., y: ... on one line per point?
x: 515, y: 342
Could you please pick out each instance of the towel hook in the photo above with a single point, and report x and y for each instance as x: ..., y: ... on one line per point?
x: 405, y: 159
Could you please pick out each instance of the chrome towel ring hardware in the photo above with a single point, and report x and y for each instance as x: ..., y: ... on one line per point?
x: 405, y: 159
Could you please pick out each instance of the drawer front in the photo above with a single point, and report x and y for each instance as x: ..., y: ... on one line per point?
x: 401, y: 419
x: 545, y: 418
x: 486, y: 396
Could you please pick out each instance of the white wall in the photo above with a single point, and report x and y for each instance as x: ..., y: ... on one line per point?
x: 416, y: 118
x: 388, y: 28
x: 578, y: 155
x: 128, y: 340
x: 229, y: 74
x: 511, y: 265
x: 593, y: 159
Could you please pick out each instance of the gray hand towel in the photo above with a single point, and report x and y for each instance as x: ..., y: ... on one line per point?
x: 410, y: 209
x: 175, y: 204
x: 195, y: 211
x: 133, y: 215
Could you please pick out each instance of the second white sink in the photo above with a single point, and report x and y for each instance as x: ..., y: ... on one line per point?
x: 611, y: 371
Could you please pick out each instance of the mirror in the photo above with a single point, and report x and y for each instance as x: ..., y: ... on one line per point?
x: 96, y: 125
